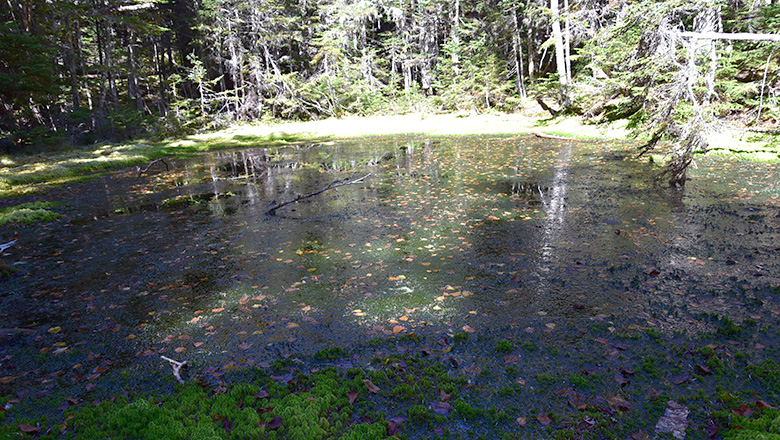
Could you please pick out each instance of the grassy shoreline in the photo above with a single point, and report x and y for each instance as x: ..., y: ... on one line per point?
x: 28, y: 174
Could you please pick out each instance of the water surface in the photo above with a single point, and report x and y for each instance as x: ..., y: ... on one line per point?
x: 495, y: 235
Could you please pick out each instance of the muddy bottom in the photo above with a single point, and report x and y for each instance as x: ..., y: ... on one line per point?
x: 499, y: 238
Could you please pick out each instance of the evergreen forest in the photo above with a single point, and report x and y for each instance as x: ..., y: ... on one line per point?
x: 80, y: 71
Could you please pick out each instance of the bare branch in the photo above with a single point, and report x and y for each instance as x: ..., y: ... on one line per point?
x: 177, y: 366
x: 333, y: 185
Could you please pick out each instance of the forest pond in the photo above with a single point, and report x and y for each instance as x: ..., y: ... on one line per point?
x: 496, y: 236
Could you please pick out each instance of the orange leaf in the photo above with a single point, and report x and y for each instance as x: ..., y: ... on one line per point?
x: 244, y: 299
x: 398, y: 329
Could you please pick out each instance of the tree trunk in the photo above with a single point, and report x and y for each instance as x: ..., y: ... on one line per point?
x: 517, y: 54
x: 560, y: 57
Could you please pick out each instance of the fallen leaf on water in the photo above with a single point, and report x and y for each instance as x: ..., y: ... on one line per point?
x: 54, y: 331
x: 292, y: 325
x: 217, y: 310
x: 619, y: 403
x: 244, y: 346
x: 373, y: 389
x: 180, y: 349
x: 28, y: 429
x: 398, y: 329
x: 468, y: 329
x: 352, y: 396
x: 544, y: 419
x: 441, y: 408
x: 679, y: 380
x: 473, y: 369
x: 244, y: 299
x: 511, y: 359
x: 522, y: 421
x: 393, y: 428
x: 745, y: 410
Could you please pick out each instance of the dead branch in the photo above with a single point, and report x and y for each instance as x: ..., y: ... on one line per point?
x: 177, y: 366
x: 560, y: 138
x: 546, y: 107
x: 141, y: 171
x: 336, y: 184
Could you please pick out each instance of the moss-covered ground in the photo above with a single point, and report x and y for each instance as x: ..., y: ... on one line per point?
x: 605, y: 385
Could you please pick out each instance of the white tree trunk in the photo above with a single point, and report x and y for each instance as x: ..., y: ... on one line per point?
x: 560, y: 57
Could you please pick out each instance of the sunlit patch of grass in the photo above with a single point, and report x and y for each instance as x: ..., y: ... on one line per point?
x: 28, y: 213
x: 18, y: 172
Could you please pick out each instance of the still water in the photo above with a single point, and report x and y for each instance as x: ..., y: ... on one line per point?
x: 480, y: 234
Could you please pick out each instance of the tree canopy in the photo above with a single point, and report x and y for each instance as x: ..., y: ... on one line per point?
x: 84, y: 70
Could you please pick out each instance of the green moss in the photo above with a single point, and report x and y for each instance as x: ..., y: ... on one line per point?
x: 653, y: 334
x: 461, y: 336
x: 28, y: 213
x: 330, y: 354
x: 765, y: 426
x: 727, y: 327
x: 504, y: 346
x: 650, y: 366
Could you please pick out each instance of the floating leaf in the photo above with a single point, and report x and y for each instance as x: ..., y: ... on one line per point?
x: 373, y: 389
x: 544, y: 419
x: 244, y: 346
x: 441, y: 408
x: 619, y: 403
x: 468, y: 329
x: 28, y: 429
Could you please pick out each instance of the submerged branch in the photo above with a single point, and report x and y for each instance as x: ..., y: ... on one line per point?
x: 336, y: 184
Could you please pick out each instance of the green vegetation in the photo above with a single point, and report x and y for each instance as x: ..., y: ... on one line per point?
x: 23, y: 174
x: 28, y: 213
